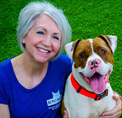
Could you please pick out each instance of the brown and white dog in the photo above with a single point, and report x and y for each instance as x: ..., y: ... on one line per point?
x: 87, y: 92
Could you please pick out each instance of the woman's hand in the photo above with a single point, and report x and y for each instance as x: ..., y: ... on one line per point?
x: 65, y: 114
x: 116, y: 111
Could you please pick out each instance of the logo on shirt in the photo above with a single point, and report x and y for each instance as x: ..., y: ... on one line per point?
x: 54, y: 102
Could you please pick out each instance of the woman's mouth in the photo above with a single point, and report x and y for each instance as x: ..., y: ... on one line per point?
x: 43, y: 50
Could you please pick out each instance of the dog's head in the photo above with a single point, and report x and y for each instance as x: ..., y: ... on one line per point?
x: 93, y: 58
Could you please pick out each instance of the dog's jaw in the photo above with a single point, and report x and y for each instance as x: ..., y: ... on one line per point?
x: 97, y: 82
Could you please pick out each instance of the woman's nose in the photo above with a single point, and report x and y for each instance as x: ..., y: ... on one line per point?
x: 46, y: 41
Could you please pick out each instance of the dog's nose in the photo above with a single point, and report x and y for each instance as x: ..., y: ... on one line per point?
x: 94, y: 63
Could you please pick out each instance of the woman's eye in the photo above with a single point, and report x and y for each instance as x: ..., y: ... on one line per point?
x: 55, y: 37
x: 40, y: 32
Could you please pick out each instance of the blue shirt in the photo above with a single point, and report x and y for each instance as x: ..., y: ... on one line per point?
x: 44, y: 100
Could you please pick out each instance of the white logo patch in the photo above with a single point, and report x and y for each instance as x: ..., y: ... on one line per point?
x: 54, y: 101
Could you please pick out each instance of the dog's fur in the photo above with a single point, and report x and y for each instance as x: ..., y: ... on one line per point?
x: 91, y: 57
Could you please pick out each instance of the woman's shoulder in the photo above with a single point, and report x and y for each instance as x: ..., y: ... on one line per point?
x: 5, y: 67
x: 63, y: 61
x: 5, y: 81
x: 64, y: 58
x: 5, y: 63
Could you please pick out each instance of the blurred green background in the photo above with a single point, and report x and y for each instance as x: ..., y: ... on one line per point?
x: 88, y: 19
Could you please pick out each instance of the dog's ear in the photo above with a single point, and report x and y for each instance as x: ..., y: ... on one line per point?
x: 70, y: 48
x: 111, y: 41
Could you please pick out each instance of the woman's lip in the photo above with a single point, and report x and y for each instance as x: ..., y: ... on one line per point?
x: 43, y: 50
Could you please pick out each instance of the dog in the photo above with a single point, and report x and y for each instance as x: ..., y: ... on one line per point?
x: 88, y: 92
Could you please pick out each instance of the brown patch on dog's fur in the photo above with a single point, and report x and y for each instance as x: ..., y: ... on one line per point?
x: 99, y: 45
x: 83, y: 47
x: 62, y: 107
x: 107, y: 40
x: 75, y: 46
x: 91, y: 116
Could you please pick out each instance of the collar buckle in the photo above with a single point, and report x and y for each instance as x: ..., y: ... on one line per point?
x: 102, y: 95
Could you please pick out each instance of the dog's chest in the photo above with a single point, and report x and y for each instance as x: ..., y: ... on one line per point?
x: 80, y: 106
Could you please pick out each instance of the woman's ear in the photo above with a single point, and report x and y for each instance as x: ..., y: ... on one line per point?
x: 24, y: 39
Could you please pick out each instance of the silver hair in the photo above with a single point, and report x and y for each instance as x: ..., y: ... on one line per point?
x: 35, y: 9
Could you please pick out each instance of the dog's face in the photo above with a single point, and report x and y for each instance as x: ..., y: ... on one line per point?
x: 93, y: 58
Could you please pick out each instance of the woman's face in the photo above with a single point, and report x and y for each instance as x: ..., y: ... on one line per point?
x: 43, y: 40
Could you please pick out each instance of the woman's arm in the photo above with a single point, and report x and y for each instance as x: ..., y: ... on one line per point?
x: 4, y: 111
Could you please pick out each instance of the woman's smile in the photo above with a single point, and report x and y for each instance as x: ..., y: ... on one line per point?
x: 43, y: 50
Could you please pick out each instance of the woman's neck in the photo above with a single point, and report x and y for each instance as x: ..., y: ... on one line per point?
x: 30, y: 66
x: 29, y: 72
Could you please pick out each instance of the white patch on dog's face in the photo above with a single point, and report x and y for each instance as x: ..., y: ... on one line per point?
x: 91, y: 41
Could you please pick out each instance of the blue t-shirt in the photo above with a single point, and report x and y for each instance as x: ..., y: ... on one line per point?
x: 44, y: 100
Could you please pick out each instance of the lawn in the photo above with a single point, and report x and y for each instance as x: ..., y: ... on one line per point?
x: 88, y: 19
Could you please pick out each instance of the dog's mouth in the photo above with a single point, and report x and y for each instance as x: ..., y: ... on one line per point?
x: 97, y: 82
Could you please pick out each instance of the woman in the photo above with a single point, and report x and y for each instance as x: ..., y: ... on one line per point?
x: 31, y: 84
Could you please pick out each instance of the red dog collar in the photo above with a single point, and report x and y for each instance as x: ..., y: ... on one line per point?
x: 85, y: 92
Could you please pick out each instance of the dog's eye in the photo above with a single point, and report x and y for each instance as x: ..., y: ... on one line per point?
x: 102, y: 51
x: 82, y: 55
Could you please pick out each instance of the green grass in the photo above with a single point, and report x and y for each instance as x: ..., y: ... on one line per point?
x: 88, y: 19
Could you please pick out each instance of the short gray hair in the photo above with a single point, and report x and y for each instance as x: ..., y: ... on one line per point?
x: 35, y: 9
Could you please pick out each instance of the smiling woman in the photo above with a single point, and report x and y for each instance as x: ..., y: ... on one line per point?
x: 35, y: 84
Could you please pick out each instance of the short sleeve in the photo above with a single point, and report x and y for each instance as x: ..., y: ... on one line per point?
x: 3, y: 92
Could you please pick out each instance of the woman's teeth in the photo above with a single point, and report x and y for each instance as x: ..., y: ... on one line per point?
x: 45, y: 51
